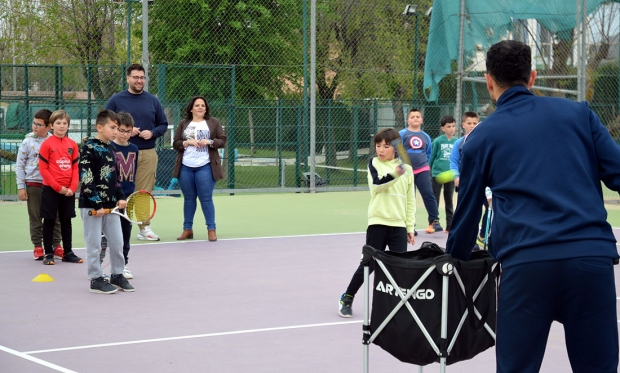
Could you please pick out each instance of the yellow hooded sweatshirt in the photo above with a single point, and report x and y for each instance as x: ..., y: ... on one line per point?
x: 392, y: 200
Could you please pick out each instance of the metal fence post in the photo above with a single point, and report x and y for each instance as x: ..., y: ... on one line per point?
x: 26, y: 96
x: 355, y: 145
x: 230, y: 130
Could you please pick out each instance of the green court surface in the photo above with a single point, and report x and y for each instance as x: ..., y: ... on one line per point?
x: 241, y: 216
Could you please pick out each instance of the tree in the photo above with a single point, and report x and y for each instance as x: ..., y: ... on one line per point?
x: 88, y: 33
x: 261, y: 38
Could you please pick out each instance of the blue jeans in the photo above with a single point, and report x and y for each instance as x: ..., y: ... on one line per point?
x: 197, y: 182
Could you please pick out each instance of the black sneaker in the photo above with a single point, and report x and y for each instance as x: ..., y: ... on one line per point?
x: 346, y: 301
x: 120, y: 282
x: 437, y: 226
x: 72, y: 258
x: 99, y: 285
x: 48, y: 260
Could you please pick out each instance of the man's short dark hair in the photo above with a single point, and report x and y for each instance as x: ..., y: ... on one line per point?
x: 509, y: 62
x: 446, y: 119
x: 105, y: 116
x: 136, y: 67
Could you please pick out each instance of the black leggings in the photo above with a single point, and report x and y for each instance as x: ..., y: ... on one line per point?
x: 48, y: 235
x: 379, y: 236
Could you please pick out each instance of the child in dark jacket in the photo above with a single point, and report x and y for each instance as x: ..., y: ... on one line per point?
x: 101, y: 190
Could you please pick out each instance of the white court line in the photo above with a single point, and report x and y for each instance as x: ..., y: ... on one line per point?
x: 219, y: 239
x: 36, y: 360
x: 194, y: 336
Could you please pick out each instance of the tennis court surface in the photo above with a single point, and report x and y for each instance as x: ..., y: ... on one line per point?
x: 240, y: 305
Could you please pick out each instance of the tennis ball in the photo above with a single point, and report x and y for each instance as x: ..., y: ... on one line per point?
x: 445, y: 177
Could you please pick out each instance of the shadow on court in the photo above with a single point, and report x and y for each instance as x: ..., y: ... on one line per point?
x: 247, y: 305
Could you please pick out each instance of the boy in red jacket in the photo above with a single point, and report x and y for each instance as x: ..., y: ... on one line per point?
x: 58, y: 165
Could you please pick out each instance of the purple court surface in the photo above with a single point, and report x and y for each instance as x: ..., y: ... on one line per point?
x: 246, y: 305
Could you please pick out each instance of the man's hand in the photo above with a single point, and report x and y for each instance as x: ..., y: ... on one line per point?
x: 135, y: 131
x: 22, y: 195
x: 100, y: 212
x: 69, y: 192
x: 146, y: 134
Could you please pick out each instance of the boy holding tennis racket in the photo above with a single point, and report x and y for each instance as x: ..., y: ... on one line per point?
x: 102, y: 190
x: 127, y: 164
x: 391, y: 212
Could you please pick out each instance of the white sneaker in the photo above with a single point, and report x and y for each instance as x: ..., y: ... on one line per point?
x: 147, y: 234
x: 127, y: 273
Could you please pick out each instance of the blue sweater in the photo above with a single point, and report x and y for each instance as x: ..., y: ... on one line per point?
x: 455, y: 157
x: 418, y: 146
x: 544, y: 159
x: 147, y: 113
x: 127, y: 165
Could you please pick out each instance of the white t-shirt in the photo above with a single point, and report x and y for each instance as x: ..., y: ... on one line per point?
x: 193, y: 156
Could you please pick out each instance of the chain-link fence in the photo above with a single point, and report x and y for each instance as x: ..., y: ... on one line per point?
x: 374, y: 61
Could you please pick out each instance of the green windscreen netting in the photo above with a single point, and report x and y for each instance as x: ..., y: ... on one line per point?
x: 487, y: 22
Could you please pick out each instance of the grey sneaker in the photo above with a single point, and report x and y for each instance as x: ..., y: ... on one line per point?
x: 99, y: 285
x: 346, y: 302
x: 120, y: 282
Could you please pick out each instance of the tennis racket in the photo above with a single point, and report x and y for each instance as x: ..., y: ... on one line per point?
x: 140, y: 208
x: 400, y: 149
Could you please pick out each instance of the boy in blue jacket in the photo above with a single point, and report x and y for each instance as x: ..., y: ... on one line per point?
x: 550, y: 232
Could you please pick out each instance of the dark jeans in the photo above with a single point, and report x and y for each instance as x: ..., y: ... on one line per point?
x: 423, y: 184
x: 448, y: 197
x: 379, y: 236
x: 579, y: 293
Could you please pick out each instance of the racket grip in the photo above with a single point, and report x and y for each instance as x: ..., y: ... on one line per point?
x: 94, y: 212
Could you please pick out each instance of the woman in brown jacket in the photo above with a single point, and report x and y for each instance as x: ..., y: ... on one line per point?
x: 198, y: 165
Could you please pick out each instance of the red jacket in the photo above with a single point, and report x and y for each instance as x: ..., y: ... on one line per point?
x: 58, y: 163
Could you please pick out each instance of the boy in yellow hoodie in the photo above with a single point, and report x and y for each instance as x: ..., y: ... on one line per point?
x: 391, y: 212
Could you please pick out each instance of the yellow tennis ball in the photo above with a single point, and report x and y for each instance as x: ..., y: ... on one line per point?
x: 445, y: 177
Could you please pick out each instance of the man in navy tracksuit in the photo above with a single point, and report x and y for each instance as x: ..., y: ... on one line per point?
x: 544, y: 159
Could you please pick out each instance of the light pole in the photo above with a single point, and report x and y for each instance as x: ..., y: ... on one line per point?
x: 411, y: 10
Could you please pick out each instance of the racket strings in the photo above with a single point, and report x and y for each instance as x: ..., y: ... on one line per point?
x: 140, y: 207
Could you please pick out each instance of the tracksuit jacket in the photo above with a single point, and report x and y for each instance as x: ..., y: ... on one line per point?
x: 545, y: 172
x: 58, y: 163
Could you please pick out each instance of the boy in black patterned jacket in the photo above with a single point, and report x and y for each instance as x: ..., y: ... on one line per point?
x: 101, y: 190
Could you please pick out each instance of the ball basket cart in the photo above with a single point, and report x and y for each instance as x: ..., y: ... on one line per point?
x: 428, y: 307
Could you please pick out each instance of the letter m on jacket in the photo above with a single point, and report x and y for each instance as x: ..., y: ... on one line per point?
x: 126, y: 166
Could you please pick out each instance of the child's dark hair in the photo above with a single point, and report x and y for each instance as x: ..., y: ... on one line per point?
x: 414, y: 110
x: 387, y: 134
x: 447, y: 119
x: 45, y: 115
x: 59, y: 114
x: 125, y: 119
x: 105, y: 116
x: 470, y: 114
x: 509, y: 62
x: 136, y: 67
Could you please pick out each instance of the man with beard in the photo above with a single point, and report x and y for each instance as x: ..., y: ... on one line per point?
x: 150, y: 123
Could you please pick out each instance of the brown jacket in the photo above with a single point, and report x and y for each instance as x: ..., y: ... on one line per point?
x: 219, y: 140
